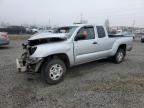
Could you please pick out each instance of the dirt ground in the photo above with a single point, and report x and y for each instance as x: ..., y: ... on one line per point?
x: 100, y: 84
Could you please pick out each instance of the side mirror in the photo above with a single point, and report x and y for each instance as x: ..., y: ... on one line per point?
x: 80, y: 37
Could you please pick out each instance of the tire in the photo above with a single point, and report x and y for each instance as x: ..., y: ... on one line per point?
x: 53, y: 71
x: 119, y: 56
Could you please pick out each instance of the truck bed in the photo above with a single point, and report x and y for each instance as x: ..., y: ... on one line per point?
x: 115, y: 35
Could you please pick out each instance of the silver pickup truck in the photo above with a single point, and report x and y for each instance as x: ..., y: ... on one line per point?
x: 53, y: 53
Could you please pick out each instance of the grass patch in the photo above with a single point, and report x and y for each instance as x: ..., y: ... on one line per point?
x: 135, y: 85
x: 19, y: 37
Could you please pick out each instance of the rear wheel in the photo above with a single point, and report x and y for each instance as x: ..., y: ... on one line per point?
x: 54, y: 71
x: 119, y: 56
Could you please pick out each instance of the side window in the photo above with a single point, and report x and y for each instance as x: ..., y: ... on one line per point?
x: 100, y: 31
x: 87, y: 32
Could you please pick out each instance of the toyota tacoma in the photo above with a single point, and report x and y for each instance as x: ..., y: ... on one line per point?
x: 52, y: 54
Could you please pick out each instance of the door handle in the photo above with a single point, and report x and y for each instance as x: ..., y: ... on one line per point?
x: 94, y: 43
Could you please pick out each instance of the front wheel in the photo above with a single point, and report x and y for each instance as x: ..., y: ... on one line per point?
x: 119, y: 56
x: 54, y: 71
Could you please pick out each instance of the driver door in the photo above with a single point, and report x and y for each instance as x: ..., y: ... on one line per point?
x: 85, y: 47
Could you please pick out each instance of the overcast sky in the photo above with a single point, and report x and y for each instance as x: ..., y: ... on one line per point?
x: 119, y: 12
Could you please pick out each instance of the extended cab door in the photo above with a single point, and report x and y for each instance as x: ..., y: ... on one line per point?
x: 85, y: 45
x: 105, y: 43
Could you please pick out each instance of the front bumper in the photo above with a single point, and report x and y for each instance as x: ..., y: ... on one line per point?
x: 20, y: 66
x: 30, y: 65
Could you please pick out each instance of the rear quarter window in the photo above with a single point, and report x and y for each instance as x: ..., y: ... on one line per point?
x: 100, y: 31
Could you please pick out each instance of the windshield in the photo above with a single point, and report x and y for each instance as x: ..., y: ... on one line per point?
x: 67, y: 29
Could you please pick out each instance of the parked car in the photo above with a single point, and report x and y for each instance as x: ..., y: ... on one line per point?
x: 13, y: 29
x: 52, y: 54
x: 4, y: 39
x: 127, y: 34
x: 142, y: 38
x: 34, y: 30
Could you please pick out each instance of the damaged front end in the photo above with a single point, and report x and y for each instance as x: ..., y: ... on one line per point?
x: 27, y: 64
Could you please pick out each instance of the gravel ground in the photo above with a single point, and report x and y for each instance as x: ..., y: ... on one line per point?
x: 100, y: 84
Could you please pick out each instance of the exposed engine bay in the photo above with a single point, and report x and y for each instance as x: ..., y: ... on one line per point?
x: 44, y: 41
x: 32, y: 65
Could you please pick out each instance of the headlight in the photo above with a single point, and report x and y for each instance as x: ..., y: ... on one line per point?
x: 34, y: 60
x: 32, y: 50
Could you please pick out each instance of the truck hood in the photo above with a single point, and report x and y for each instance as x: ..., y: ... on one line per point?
x: 48, y: 35
x: 45, y: 38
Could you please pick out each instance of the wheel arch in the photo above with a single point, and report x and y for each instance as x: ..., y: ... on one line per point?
x: 64, y: 57
x: 122, y: 46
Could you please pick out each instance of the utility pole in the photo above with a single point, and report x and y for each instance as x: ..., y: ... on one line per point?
x: 133, y: 26
x: 49, y: 22
x: 81, y: 18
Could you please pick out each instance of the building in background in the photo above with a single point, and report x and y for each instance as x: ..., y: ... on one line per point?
x: 107, y: 25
